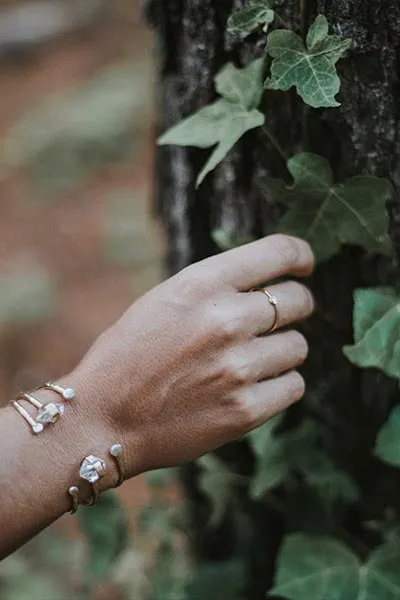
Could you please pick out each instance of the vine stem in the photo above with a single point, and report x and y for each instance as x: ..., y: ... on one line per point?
x: 304, y: 115
x: 303, y: 16
x: 358, y: 545
x: 282, y: 21
x: 267, y: 133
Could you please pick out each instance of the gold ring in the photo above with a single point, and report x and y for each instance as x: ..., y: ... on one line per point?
x: 274, y: 303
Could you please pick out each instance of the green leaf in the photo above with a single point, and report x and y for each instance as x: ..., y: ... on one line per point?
x: 388, y: 441
x: 305, y: 455
x: 26, y: 297
x: 271, y: 464
x: 332, y: 483
x: 311, y: 70
x: 106, y: 531
x: 227, y: 240
x: 328, y: 214
x: 224, y: 122
x: 380, y: 576
x: 72, y: 135
x: 219, y: 580
x: 218, y: 483
x: 161, y: 478
x: 322, y: 568
x: 162, y: 520
x: 170, y: 573
x: 376, y: 331
x: 317, y: 569
x: 246, y: 20
x: 241, y: 86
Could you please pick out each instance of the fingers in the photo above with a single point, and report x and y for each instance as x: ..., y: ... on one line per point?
x: 274, y: 396
x: 256, y: 263
x: 262, y: 401
x: 270, y: 356
x: 294, y: 303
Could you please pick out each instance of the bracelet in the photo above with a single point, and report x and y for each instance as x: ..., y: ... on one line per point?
x: 48, y: 413
x: 92, y: 469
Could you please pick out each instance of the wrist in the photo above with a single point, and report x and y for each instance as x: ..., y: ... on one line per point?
x: 96, y: 416
x: 82, y: 431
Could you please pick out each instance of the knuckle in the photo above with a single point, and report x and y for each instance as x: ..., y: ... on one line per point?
x: 287, y: 248
x: 243, y: 413
x: 192, y: 283
x: 223, y: 325
x: 236, y: 373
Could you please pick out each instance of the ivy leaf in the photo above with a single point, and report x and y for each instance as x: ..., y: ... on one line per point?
x: 322, y: 568
x: 328, y: 214
x: 241, y: 86
x: 331, y: 483
x: 388, y: 440
x: 224, y: 122
x: 222, y: 580
x: 271, y: 464
x: 227, y: 240
x: 311, y: 70
x: 217, y: 482
x: 246, y: 20
x: 306, y: 456
x: 376, y: 331
x: 106, y: 531
x: 380, y: 576
x: 317, y: 568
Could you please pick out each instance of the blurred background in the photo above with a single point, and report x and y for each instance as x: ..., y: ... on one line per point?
x: 78, y: 243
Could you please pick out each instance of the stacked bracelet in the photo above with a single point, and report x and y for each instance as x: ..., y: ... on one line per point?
x: 49, y: 412
x: 92, y: 468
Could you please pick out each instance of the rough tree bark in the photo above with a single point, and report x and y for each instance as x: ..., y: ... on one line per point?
x: 362, y: 136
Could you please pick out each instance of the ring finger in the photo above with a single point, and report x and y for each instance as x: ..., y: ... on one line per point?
x: 294, y: 303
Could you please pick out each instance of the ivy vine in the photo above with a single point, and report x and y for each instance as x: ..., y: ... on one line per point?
x: 328, y: 214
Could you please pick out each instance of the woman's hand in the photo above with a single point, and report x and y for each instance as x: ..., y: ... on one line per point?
x: 188, y: 369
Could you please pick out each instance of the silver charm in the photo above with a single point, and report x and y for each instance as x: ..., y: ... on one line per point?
x: 74, y: 494
x: 92, y: 470
x: 36, y: 427
x: 117, y: 453
x: 66, y: 393
x: 51, y: 412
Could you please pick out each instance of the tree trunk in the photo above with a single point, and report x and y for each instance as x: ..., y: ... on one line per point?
x: 362, y: 136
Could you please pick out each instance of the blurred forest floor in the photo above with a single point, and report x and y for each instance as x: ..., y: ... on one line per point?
x: 77, y: 239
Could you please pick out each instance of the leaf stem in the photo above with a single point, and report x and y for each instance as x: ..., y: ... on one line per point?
x: 282, y: 21
x: 358, y: 545
x: 267, y: 133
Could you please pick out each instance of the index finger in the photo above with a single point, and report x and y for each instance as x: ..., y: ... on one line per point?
x: 256, y: 263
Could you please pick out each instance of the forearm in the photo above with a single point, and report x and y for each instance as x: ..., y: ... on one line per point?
x: 36, y: 471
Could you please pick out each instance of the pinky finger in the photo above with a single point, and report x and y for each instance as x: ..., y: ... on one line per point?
x: 275, y: 395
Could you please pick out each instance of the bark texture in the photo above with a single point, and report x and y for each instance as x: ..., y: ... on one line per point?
x: 363, y: 135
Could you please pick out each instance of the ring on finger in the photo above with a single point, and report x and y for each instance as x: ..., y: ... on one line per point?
x: 273, y: 300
